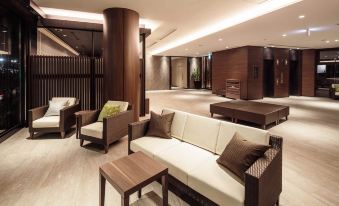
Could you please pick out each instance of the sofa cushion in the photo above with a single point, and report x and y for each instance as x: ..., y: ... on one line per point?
x: 93, y: 130
x: 240, y: 154
x: 178, y: 123
x: 160, y: 125
x: 123, y: 105
x: 227, y: 131
x: 201, y: 131
x: 152, y: 146
x: 336, y: 93
x: 46, y: 122
x: 70, y: 100
x: 181, y: 159
x: 217, y: 183
x: 108, y: 110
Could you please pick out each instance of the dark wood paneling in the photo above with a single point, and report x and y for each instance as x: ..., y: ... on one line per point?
x: 121, y: 57
x: 52, y: 76
x: 255, y: 73
x: 230, y: 64
x: 281, y: 72
x: 308, y: 72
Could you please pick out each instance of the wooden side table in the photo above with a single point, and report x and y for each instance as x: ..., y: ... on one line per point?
x: 130, y: 174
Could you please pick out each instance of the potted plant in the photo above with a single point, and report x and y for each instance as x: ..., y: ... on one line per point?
x: 196, y: 78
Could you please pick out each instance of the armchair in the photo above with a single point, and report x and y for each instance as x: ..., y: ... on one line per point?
x: 334, y: 91
x: 37, y: 122
x: 106, y: 132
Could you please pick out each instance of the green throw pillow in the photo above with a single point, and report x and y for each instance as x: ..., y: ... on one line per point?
x: 337, y: 88
x: 108, y: 110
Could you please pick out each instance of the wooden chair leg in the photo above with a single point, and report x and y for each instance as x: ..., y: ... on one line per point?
x: 277, y: 203
x: 106, y: 148
x: 31, y: 135
x: 62, y: 135
x: 81, y: 142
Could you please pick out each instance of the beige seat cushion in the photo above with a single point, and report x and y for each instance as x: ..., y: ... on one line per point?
x: 182, y: 158
x: 93, y: 130
x: 217, y: 183
x: 123, y: 105
x: 336, y: 93
x: 46, y: 122
x: 201, y: 131
x: 153, y: 145
x: 70, y: 100
x: 227, y: 131
x: 178, y: 123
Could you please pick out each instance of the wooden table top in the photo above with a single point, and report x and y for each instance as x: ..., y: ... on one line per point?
x: 130, y: 173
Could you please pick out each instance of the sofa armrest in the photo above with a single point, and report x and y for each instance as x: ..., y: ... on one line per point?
x: 36, y: 113
x: 116, y: 126
x: 136, y: 130
x: 67, y: 116
x: 263, y: 180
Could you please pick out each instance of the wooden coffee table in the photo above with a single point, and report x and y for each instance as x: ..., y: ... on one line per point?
x: 130, y: 174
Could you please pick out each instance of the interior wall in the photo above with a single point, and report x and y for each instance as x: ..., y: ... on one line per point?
x: 179, y: 72
x: 157, y: 72
x: 230, y: 64
x: 48, y: 47
x: 308, y: 72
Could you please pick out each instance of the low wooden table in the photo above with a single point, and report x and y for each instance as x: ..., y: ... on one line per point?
x: 255, y: 112
x: 130, y: 174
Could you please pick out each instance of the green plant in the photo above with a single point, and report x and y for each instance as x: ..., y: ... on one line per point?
x: 196, y: 74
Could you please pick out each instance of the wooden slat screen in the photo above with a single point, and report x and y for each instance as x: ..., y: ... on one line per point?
x: 56, y: 76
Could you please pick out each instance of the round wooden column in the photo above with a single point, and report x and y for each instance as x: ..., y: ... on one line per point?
x: 121, y: 57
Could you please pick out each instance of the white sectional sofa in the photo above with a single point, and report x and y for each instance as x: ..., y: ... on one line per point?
x: 191, y: 158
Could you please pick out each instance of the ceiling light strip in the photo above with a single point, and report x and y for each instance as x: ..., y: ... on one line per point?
x: 259, y: 10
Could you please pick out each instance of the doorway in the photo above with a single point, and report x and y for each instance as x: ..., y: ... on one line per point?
x: 268, y: 78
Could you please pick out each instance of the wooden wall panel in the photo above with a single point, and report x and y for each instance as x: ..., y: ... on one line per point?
x: 230, y: 64
x: 255, y: 73
x: 308, y: 73
x: 53, y: 76
x: 281, y: 72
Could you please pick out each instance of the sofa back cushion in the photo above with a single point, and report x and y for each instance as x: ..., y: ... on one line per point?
x: 227, y: 131
x: 201, y: 131
x: 70, y: 100
x: 178, y: 123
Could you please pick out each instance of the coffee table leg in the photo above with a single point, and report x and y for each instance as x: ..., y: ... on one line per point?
x: 211, y: 114
x: 102, y: 184
x: 139, y: 193
x: 164, y: 181
x: 124, y: 201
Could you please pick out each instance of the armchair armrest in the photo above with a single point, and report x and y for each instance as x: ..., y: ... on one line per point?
x: 136, y: 130
x: 67, y: 116
x: 36, y: 113
x: 116, y: 126
x: 263, y: 180
x: 86, y: 117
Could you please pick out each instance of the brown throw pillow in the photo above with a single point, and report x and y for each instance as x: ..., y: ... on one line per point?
x: 240, y: 154
x: 160, y: 125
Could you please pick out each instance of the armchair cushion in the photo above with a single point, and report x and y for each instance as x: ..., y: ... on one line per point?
x: 93, y: 130
x: 123, y: 105
x: 46, y: 122
x: 55, y: 107
x: 108, y: 110
x: 69, y: 100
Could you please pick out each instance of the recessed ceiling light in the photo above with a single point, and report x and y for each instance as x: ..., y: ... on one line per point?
x: 4, y: 31
x: 284, y: 35
x: 220, y: 39
x: 336, y: 40
x: 298, y: 48
x: 64, y: 35
x: 265, y: 47
x: 327, y: 41
x: 301, y: 16
x: 227, y: 47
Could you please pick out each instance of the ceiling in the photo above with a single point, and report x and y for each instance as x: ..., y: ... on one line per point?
x: 176, y: 20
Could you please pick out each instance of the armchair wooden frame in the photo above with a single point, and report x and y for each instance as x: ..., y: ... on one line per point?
x: 114, y: 127
x: 67, y: 119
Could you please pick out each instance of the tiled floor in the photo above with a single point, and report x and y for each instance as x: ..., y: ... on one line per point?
x: 53, y: 171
